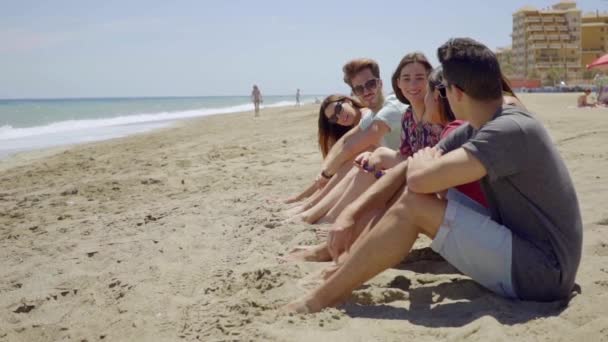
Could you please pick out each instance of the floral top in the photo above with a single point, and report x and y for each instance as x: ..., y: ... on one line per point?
x: 415, y: 136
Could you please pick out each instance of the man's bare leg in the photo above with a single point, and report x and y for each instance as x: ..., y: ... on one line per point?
x: 386, y: 245
x: 320, y: 252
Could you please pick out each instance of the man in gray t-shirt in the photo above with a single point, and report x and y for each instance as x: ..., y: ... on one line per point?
x: 526, y: 244
x: 529, y: 191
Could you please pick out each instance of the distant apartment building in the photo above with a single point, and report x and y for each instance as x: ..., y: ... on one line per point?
x: 594, y: 42
x: 547, y: 42
x: 504, y: 56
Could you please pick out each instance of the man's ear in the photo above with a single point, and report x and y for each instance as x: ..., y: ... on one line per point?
x: 459, y: 93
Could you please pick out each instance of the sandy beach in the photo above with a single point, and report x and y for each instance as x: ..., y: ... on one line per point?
x: 176, y: 235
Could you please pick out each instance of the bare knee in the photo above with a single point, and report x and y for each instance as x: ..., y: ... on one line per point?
x: 413, y: 204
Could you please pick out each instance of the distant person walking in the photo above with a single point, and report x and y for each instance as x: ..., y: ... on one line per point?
x: 298, y: 104
x: 256, y: 98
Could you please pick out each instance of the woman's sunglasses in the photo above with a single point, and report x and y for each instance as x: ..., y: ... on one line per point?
x: 369, y: 85
x: 441, y: 88
x: 337, y: 111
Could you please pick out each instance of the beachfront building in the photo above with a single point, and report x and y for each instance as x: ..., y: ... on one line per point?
x: 504, y: 56
x: 594, y: 42
x: 547, y: 43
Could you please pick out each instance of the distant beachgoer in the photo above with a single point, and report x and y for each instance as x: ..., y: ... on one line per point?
x: 298, y: 98
x: 256, y: 98
x: 317, y: 101
x: 583, y: 101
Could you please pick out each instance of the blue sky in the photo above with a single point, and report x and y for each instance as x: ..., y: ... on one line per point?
x: 191, y: 48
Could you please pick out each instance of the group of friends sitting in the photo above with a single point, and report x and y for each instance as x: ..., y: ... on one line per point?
x: 453, y: 155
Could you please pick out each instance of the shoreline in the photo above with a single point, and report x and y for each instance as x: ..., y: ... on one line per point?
x: 175, y: 234
x: 73, y: 137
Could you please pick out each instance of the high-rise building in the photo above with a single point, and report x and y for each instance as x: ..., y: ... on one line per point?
x: 504, y: 56
x: 594, y: 42
x: 547, y: 42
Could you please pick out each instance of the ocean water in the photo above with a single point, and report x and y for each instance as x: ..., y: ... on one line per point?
x: 36, y: 124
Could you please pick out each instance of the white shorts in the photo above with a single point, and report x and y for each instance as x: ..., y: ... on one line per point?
x: 474, y: 244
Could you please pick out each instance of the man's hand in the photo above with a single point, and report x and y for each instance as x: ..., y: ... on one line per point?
x: 341, y: 236
x: 422, y: 159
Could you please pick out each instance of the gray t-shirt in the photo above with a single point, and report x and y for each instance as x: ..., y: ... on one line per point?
x: 529, y: 191
x: 391, y: 114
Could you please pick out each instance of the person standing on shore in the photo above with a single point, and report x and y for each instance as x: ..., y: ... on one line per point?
x: 256, y: 98
x: 298, y: 98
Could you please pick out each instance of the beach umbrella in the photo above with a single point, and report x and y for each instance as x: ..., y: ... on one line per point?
x: 600, y: 63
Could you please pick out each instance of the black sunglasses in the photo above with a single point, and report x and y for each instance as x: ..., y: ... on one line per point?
x: 442, y: 91
x: 369, y: 85
x: 337, y: 111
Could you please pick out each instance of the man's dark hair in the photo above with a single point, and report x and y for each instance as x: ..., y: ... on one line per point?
x: 472, y: 67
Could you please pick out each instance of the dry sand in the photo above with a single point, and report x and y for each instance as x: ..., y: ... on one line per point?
x: 171, y: 236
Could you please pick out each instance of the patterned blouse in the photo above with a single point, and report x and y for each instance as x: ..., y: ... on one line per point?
x: 416, y: 136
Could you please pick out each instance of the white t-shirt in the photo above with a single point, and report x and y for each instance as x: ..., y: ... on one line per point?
x: 391, y: 114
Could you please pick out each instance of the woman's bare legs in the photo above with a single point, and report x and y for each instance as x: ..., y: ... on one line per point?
x: 386, y: 245
x: 320, y: 194
x: 361, y: 181
x: 319, y: 209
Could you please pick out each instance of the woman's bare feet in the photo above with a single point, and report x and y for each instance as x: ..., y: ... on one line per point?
x: 295, y: 210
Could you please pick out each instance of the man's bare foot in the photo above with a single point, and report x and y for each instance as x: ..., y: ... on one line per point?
x: 308, y: 253
x: 322, y: 232
x: 297, y: 306
x: 304, y: 305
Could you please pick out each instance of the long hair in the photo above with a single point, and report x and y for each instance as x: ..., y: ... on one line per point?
x: 414, y: 57
x: 329, y: 132
x: 435, y: 80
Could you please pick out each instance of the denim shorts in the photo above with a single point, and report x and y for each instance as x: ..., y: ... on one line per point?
x: 474, y: 244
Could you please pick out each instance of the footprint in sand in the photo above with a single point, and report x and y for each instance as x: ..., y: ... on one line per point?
x: 601, y: 249
x: 375, y: 296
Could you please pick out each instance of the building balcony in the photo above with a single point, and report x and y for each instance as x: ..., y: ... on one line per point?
x: 573, y: 65
x: 553, y: 36
x: 548, y: 20
x: 534, y: 28
x: 560, y: 20
x: 551, y: 28
x: 532, y: 20
x: 555, y: 46
x: 571, y: 46
x: 592, y: 50
x: 537, y: 37
x: 564, y: 37
x: 538, y: 46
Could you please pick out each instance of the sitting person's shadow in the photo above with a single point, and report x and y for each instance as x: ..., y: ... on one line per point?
x: 451, y: 303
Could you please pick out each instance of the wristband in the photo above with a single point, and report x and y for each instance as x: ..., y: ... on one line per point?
x: 325, y: 175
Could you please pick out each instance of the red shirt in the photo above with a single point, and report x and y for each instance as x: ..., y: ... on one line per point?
x: 473, y: 189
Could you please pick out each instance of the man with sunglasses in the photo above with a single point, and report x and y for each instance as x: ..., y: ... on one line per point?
x: 380, y: 128
x: 525, y: 245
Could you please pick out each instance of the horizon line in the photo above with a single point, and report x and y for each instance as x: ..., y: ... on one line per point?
x: 137, y: 97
